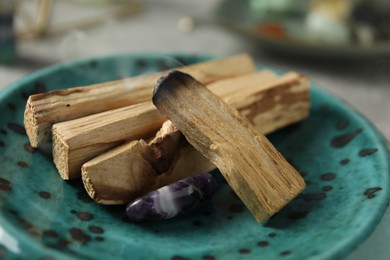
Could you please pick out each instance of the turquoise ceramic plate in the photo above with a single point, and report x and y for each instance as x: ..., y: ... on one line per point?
x: 342, y: 157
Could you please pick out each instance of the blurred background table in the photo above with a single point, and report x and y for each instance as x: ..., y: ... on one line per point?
x: 365, y: 84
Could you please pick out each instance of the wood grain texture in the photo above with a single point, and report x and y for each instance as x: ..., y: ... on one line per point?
x: 45, y: 109
x: 268, y: 104
x: 255, y: 170
x: 135, y: 168
x: 79, y: 140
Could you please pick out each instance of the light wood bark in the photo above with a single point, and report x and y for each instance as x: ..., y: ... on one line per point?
x: 147, y: 166
x: 115, y: 177
x: 252, y: 166
x: 79, y: 140
x: 44, y: 110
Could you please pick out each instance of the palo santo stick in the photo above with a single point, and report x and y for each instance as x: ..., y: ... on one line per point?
x: 268, y: 106
x: 150, y: 159
x: 43, y: 110
x: 146, y: 166
x: 79, y: 140
x: 254, y: 169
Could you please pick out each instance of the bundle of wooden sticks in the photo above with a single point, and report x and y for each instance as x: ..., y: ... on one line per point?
x: 114, y: 137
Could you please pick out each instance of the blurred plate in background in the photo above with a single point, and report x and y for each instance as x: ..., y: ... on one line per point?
x: 327, y: 29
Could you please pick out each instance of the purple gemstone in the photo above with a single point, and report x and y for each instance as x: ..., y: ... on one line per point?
x: 169, y: 201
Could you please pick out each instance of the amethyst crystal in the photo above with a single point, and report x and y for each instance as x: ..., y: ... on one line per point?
x: 176, y: 198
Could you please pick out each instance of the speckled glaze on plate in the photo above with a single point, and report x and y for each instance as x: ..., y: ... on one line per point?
x: 344, y: 160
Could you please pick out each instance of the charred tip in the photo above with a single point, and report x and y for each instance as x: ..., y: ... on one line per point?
x: 170, y: 82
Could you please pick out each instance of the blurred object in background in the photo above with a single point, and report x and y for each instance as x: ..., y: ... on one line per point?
x: 333, y: 28
x: 7, y: 36
x: 372, y: 16
x: 278, y: 7
x: 33, y: 17
x: 363, y: 23
x: 42, y: 18
x: 326, y: 22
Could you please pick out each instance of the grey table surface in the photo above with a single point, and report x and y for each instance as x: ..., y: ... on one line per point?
x: 363, y: 84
